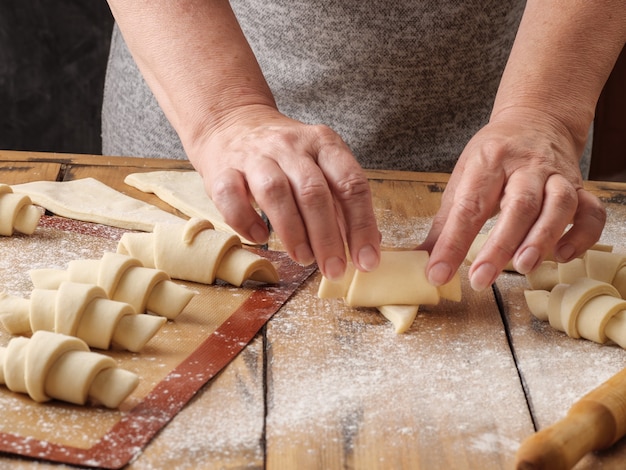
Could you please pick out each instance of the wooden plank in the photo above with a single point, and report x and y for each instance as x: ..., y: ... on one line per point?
x: 83, y: 159
x: 25, y: 172
x: 222, y: 427
x: 344, y: 391
x: 558, y: 370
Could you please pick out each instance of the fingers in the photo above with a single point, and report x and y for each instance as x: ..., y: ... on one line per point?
x: 558, y: 208
x: 229, y: 192
x: 534, y: 215
x: 586, y: 229
x: 351, y: 192
x: 465, y: 208
x: 315, y: 195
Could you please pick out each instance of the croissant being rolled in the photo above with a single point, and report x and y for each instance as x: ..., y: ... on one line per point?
x: 81, y: 310
x: 55, y: 366
x: 196, y: 252
x: 124, y: 279
x: 17, y: 212
x: 396, y: 288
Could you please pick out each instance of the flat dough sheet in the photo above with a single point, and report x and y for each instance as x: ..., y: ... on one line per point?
x: 183, y: 190
x: 89, y: 200
x: 173, y: 366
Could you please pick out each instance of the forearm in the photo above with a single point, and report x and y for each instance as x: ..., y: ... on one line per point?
x: 563, y: 53
x: 194, y: 57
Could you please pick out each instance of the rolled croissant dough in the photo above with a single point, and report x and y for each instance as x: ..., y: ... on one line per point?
x: 185, y: 191
x: 396, y: 288
x: 52, y: 365
x: 89, y: 200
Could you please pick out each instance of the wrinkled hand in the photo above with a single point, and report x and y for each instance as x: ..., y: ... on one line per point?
x: 304, y: 178
x: 525, y: 165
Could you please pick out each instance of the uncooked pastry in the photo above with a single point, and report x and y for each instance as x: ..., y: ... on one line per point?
x: 185, y: 191
x: 481, y: 238
x: 90, y: 200
x: 398, y: 283
x: 600, y: 265
x: 81, y: 310
x: 400, y: 316
x: 125, y: 279
x: 17, y: 213
x: 588, y: 308
x: 194, y: 251
x: 55, y: 366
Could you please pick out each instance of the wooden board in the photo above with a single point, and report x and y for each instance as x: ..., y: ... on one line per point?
x: 557, y: 370
x: 183, y: 356
x: 344, y: 391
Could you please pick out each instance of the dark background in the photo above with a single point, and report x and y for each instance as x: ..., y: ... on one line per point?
x: 53, y: 57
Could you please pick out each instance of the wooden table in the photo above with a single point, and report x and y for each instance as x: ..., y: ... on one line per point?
x: 325, y: 386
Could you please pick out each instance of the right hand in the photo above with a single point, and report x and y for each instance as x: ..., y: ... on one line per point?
x: 303, y: 177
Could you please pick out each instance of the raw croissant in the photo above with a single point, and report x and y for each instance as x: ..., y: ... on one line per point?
x: 194, y: 251
x: 587, y: 308
x: 17, y: 212
x: 124, y: 279
x: 396, y: 288
x: 55, y: 366
x: 81, y: 310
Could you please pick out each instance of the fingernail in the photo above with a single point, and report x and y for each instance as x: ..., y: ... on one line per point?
x: 439, y: 274
x: 303, y: 254
x: 527, y: 260
x: 483, y: 276
x: 334, y: 268
x: 565, y: 253
x: 368, y: 258
x: 259, y: 233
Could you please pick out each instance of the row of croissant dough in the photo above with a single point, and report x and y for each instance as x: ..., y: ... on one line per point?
x: 119, y: 301
x: 583, y: 298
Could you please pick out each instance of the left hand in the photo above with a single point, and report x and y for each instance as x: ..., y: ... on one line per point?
x: 524, y: 164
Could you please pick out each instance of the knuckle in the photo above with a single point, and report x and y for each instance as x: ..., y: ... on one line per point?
x: 471, y: 207
x: 222, y: 189
x: 351, y: 186
x: 313, y: 191
x: 524, y: 202
x: 565, y: 196
x: 273, y: 187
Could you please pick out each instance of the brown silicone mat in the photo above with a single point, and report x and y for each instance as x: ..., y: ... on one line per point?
x: 183, y: 356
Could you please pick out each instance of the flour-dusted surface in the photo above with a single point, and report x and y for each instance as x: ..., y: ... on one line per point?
x: 558, y: 370
x: 173, y: 365
x: 344, y: 373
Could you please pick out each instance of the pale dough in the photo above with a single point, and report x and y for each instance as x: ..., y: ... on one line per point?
x: 81, y: 310
x: 587, y: 308
x: 124, y: 279
x: 55, y: 366
x: 481, y: 238
x: 194, y: 251
x: 398, y: 283
x: 601, y: 265
x: 90, y: 200
x: 185, y: 191
x: 400, y: 316
x: 17, y: 213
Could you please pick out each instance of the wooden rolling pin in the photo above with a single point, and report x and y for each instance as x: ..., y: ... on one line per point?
x: 595, y: 422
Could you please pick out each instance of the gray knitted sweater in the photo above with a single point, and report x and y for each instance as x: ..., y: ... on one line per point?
x: 406, y: 83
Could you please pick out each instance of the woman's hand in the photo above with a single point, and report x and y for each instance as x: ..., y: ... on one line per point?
x: 523, y: 164
x: 303, y: 177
